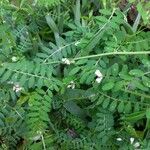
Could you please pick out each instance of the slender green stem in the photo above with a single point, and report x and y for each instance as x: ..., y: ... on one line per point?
x: 113, y: 53
x: 43, y: 142
x: 105, y: 54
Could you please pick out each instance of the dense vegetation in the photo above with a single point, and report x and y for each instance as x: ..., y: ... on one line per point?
x: 74, y: 75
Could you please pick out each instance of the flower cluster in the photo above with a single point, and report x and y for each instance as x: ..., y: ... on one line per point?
x: 71, y: 85
x: 17, y: 88
x: 67, y: 61
x: 14, y: 59
x: 132, y: 142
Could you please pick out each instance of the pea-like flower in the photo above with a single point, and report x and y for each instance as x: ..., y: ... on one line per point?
x: 135, y: 144
x: 14, y: 59
x: 119, y: 139
x: 99, y: 76
x: 67, y: 61
x: 17, y: 88
x: 77, y: 43
x: 71, y: 85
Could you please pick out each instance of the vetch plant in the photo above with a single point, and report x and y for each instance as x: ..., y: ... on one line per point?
x: 74, y: 76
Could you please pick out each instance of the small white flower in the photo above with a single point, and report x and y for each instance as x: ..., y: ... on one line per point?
x: 71, y: 85
x: 136, y: 145
x: 99, y: 76
x: 66, y: 61
x: 99, y: 79
x: 35, y: 138
x: 14, y: 59
x: 98, y: 73
x: 17, y: 88
x: 131, y: 140
x: 119, y: 139
x: 77, y: 43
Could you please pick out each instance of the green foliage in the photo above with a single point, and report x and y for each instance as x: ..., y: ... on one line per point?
x: 39, y: 105
x: 73, y: 75
x: 47, y: 3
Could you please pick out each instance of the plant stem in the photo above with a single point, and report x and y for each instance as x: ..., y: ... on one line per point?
x: 43, y: 142
x: 104, y: 54
x: 113, y: 53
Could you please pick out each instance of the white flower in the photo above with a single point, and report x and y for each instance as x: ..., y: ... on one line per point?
x: 119, y: 139
x: 99, y: 76
x: 76, y: 44
x: 36, y: 138
x: 71, y: 85
x: 131, y: 140
x: 17, y: 88
x: 136, y: 145
x: 99, y: 79
x: 66, y: 61
x: 98, y: 73
x: 14, y: 59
